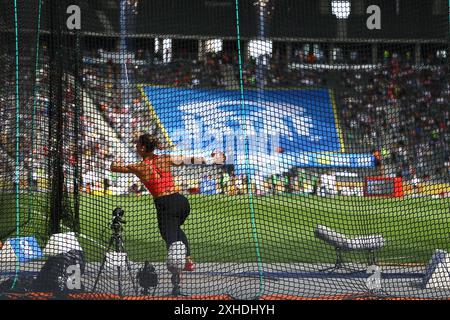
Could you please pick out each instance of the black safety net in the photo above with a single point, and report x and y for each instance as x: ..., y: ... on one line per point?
x: 224, y: 149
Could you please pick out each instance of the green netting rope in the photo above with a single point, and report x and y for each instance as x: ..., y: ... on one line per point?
x: 247, y: 164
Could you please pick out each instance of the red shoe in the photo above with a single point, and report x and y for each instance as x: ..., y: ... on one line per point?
x: 189, y: 266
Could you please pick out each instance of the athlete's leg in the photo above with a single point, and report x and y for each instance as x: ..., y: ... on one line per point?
x: 184, y: 214
x: 169, y: 227
x: 185, y: 209
x: 170, y: 217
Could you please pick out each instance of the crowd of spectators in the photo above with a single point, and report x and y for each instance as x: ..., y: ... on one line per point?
x: 396, y: 109
x: 83, y: 140
x: 402, y: 111
x: 187, y: 72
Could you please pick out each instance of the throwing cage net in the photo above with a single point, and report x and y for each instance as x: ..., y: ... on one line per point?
x: 311, y: 137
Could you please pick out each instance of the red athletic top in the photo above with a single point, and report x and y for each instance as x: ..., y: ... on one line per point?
x: 159, y: 181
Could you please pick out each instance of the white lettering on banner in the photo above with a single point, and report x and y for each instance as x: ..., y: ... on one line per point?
x: 208, y: 116
x: 221, y: 125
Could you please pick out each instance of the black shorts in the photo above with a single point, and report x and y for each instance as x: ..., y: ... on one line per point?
x: 173, y: 205
x: 172, y: 211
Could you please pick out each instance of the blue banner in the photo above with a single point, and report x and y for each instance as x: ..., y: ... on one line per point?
x: 208, y: 186
x: 266, y: 123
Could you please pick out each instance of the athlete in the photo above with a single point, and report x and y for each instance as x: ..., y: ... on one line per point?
x: 154, y: 171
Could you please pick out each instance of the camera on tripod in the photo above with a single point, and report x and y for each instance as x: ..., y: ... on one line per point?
x: 116, y: 242
x: 117, y: 220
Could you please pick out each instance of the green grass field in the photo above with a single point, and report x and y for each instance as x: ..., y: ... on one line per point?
x: 220, y: 228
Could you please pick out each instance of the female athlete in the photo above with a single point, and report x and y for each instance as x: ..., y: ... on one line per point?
x: 154, y: 171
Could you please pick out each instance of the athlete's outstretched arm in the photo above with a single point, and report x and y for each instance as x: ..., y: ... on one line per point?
x: 125, y: 168
x: 178, y: 160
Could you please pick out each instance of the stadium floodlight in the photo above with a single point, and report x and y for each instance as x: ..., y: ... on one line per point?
x: 167, y: 50
x: 157, y: 46
x: 213, y: 45
x: 258, y: 48
x: 341, y: 8
x: 262, y: 3
x: 441, y: 54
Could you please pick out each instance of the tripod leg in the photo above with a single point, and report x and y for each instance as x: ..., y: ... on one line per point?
x: 121, y: 248
x: 131, y: 277
x: 101, y: 267
x: 99, y: 273
x: 176, y: 284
